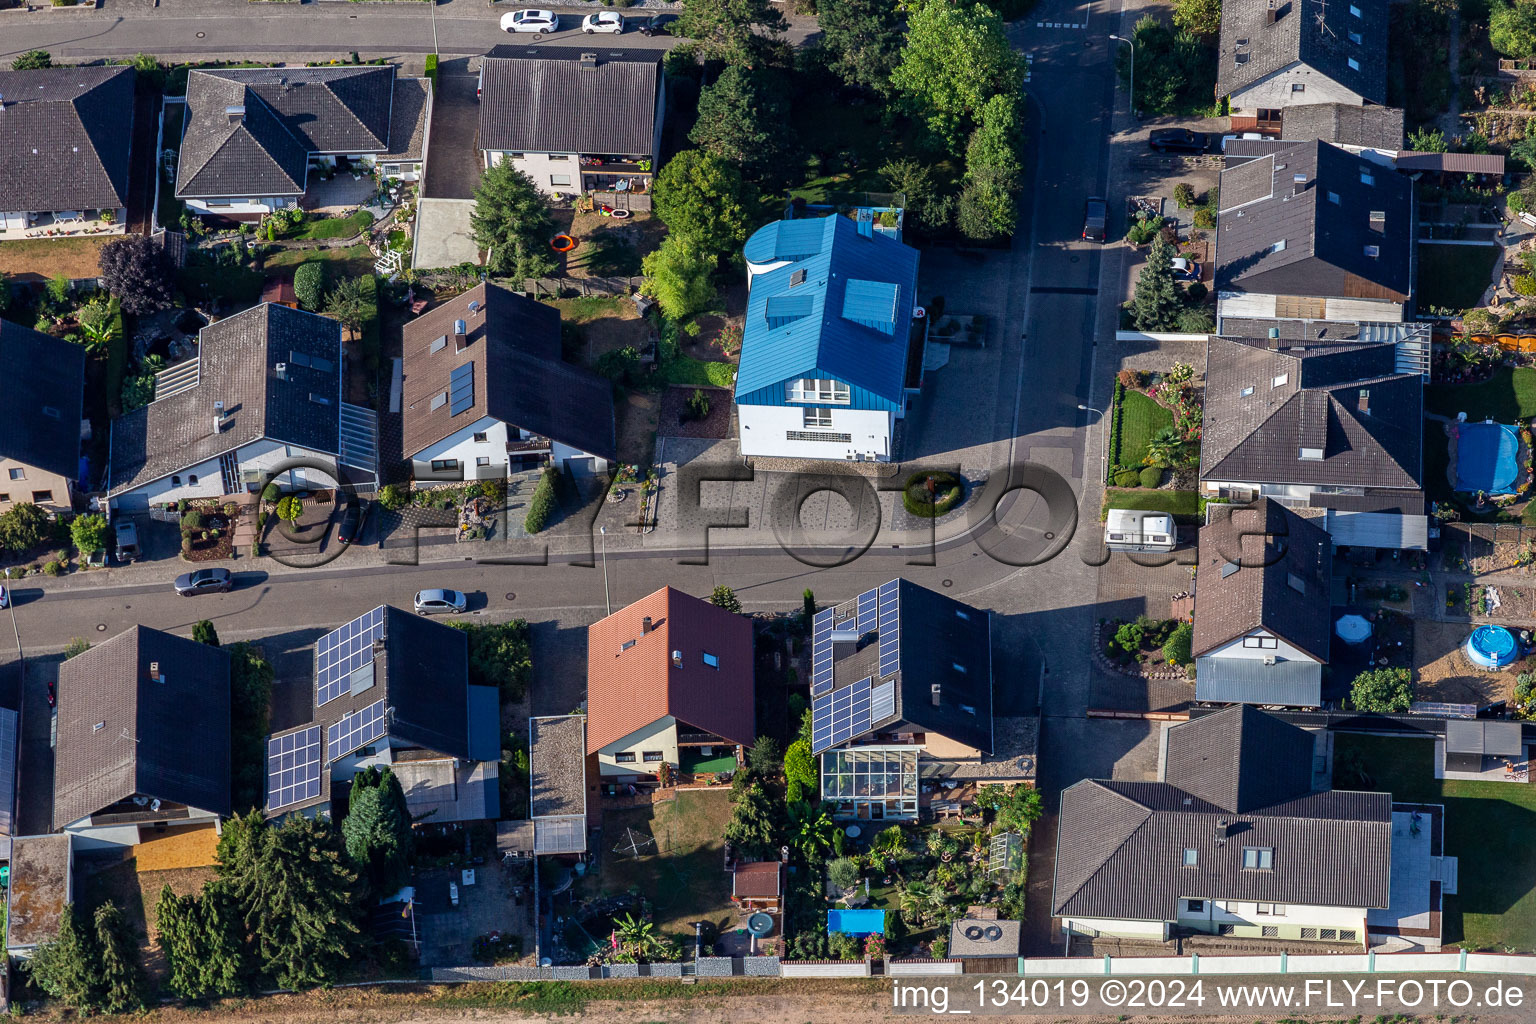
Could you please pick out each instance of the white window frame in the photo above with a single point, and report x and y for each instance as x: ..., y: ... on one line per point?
x: 823, y: 392
x: 816, y: 418
x: 1261, y: 643
x: 560, y: 180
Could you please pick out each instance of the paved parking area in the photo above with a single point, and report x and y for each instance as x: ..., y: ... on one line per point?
x: 443, y: 235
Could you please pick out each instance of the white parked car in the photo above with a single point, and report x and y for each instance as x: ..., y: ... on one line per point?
x: 1249, y: 136
x: 603, y: 21
x: 542, y: 22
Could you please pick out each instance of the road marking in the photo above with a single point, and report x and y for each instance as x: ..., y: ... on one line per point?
x: 1060, y: 24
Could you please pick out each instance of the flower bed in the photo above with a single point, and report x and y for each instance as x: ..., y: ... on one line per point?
x: 931, y: 495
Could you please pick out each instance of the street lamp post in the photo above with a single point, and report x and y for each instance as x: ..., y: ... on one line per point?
x: 1132, y: 44
x: 603, y: 533
x: 1103, y: 440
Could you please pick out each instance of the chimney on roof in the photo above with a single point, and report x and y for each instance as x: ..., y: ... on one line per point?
x: 218, y: 416
x: 1272, y: 14
x: 589, y: 61
x: 677, y: 659
x: 460, y: 335
x: 235, y: 112
x: 935, y: 690
x: 1274, y: 334
x: 1223, y: 829
x: 154, y: 672
x: 281, y: 369
x: 645, y: 625
x: 1364, y: 405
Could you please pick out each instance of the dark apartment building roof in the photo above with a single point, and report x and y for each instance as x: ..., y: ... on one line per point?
x: 145, y: 714
x: 1323, y: 413
x: 1346, y: 41
x: 1344, y: 124
x: 1233, y: 818
x: 507, y: 365
x: 42, y: 393
x: 65, y: 138
x: 901, y: 658
x: 1313, y: 220
x: 277, y: 372
x: 569, y: 100
x: 1264, y: 567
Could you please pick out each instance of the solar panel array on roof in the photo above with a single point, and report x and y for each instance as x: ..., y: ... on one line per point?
x: 868, y: 611
x: 9, y: 720
x: 461, y: 389
x: 358, y: 729
x: 821, y: 652
x: 890, y: 629
x: 293, y: 768
x: 342, y: 652
x: 839, y: 716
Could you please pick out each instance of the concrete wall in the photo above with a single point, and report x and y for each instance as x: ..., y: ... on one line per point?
x: 659, y: 735
x: 824, y: 969
x: 764, y: 429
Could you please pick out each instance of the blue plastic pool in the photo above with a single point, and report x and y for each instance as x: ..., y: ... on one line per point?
x: 1491, y: 647
x: 856, y: 922
x: 1487, y: 457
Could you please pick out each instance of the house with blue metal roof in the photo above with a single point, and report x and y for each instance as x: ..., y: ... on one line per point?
x: 831, y: 350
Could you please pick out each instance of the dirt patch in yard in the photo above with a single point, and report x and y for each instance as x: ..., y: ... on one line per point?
x: 637, y: 416
x: 39, y: 259
x: 1444, y: 674
x: 137, y: 894
x: 673, y: 421
x: 601, y: 323
x: 708, y: 344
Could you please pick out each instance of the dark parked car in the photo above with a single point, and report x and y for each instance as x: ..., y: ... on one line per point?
x: 205, y: 581
x: 1178, y: 140
x: 353, y: 518
x: 657, y: 25
x: 1095, y: 213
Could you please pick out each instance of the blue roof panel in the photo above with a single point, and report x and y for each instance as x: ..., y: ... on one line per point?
x: 841, y: 272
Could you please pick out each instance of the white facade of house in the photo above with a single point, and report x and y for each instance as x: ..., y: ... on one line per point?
x: 22, y: 220
x: 478, y: 451
x: 658, y: 738
x: 1091, y: 927
x: 205, y: 479
x: 1294, y: 85
x: 105, y: 837
x: 1266, y: 307
x: 794, y: 432
x: 1237, y: 918
x: 1260, y: 645
x: 406, y: 170
x: 552, y: 172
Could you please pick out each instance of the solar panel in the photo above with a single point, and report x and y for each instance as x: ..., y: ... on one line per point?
x: 868, y: 609
x: 890, y: 629
x: 293, y: 768
x: 461, y: 389
x: 9, y: 721
x: 841, y: 715
x: 344, y: 651
x: 358, y: 729
x: 821, y: 652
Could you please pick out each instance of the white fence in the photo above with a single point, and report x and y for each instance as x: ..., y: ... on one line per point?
x: 825, y: 969
x: 924, y: 968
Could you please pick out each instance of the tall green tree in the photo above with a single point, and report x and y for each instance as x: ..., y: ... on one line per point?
x: 928, y: 207
x: 702, y: 198
x: 352, y: 302
x: 1512, y: 28
x: 377, y: 830
x: 1156, y: 303
x: 89, y: 532
x: 727, y: 30
x: 511, y: 222
x: 989, y: 200
x: 296, y: 898
x: 763, y: 759
x: 1202, y: 17
x: 743, y: 120
x: 956, y: 57
x: 678, y: 273
x: 138, y: 272
x: 200, y: 936
x: 755, y: 827
x: 65, y: 967
x: 800, y: 766
x: 1387, y: 690
x: 119, y: 972
x: 250, y: 695
x: 863, y: 40
x: 203, y: 632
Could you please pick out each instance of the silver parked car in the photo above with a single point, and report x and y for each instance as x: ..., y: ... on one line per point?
x: 205, y: 581
x: 440, y: 602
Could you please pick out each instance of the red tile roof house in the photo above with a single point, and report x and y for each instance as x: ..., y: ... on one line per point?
x: 669, y: 680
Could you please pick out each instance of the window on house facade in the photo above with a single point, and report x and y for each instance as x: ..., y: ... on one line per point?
x: 192, y: 479
x: 482, y: 460
x: 18, y: 474
x: 1226, y: 929
x: 1258, y: 858
x: 870, y: 784
x: 560, y: 179
x: 4, y: 498
x: 817, y: 418
x: 1348, y: 935
x: 480, y: 437
x: 442, y: 465
x: 1298, y: 87
x: 1195, y: 906
x: 175, y: 480
x: 827, y: 392
x: 1261, y: 643
x: 651, y: 755
x: 41, y: 497
x: 1269, y: 931
x: 626, y: 757
x: 803, y: 435
x: 1328, y: 934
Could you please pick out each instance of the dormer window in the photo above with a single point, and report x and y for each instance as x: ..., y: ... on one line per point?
x: 825, y: 392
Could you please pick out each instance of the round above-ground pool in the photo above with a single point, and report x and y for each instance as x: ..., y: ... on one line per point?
x: 1492, y: 647
x: 1487, y: 458
x: 1352, y: 629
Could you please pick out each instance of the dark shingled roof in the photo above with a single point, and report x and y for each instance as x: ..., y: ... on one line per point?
x: 1120, y: 845
x: 1344, y: 124
x: 1345, y: 399
x: 42, y: 393
x: 1275, y: 551
x: 1287, y: 198
x: 65, y: 137
x: 541, y: 99
x: 288, y: 113
x: 163, y: 740
x: 1255, y: 43
x: 519, y: 375
x: 237, y: 359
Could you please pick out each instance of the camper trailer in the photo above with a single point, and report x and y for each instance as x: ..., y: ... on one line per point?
x: 1135, y: 530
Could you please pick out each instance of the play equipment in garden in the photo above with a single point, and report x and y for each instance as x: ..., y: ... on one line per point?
x: 1492, y: 647
x: 563, y: 243
x: 1487, y: 457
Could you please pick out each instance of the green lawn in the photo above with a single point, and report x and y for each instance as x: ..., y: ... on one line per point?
x: 1509, y: 395
x: 1185, y: 504
x: 1454, y: 276
x: 1140, y: 419
x: 586, y: 308
x: 681, y: 874
x: 334, y: 227
x: 686, y: 370
x: 349, y: 261
x: 1490, y: 827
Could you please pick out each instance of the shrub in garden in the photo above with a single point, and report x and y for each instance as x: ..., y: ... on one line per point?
x: 393, y: 497
x: 1126, y: 478
x: 53, y: 569
x: 1151, y: 476
x: 1177, y: 648
x: 1184, y: 195
x: 309, y: 285
x: 271, y: 492
x: 289, y: 508
x: 1129, y: 636
x: 542, y: 505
